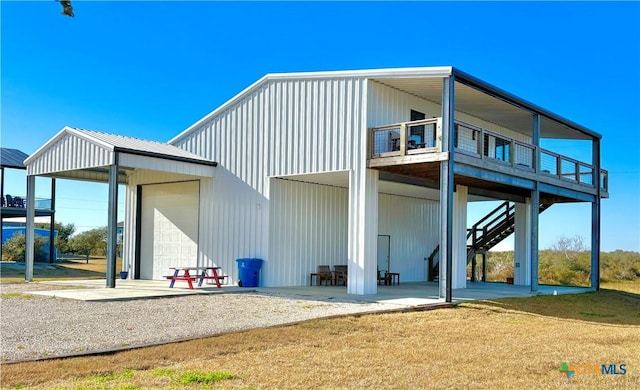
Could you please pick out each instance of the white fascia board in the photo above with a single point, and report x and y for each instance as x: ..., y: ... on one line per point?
x: 428, y: 72
x: 437, y: 71
x: 61, y: 134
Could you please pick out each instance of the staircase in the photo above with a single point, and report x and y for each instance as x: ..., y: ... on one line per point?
x: 484, y: 234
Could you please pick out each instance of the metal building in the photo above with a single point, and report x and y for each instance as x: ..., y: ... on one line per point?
x: 372, y: 169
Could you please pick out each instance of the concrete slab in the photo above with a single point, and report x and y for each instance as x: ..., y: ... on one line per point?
x: 96, y: 290
x: 407, y: 294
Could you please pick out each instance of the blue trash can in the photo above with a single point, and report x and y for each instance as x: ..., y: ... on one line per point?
x: 249, y: 272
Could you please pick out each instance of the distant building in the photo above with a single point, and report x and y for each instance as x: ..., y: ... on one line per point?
x: 9, y: 231
x: 14, y: 211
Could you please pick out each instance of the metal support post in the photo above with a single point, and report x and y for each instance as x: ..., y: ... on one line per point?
x: 112, y: 223
x: 446, y: 190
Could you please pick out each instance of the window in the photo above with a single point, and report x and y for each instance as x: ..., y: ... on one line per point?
x: 416, y: 133
x: 502, y: 149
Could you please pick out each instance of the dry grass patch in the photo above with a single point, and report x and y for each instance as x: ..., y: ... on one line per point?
x: 498, y: 344
x: 69, y: 269
x: 631, y: 286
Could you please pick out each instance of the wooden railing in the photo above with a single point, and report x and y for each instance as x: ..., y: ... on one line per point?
x: 424, y: 136
x: 405, y: 138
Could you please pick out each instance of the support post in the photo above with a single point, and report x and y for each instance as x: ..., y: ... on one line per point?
x: 535, y: 139
x: 363, y: 232
x: 473, y: 268
x: 52, y: 220
x: 535, y: 206
x: 446, y: 190
x: 484, y: 267
x: 459, y: 252
x: 30, y: 232
x: 112, y: 223
x: 522, y: 250
x: 535, y: 211
x: 595, y: 218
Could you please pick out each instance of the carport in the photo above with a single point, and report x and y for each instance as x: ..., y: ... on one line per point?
x: 88, y: 155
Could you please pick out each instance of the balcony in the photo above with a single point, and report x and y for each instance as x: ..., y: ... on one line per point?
x: 420, y: 142
x: 20, y: 202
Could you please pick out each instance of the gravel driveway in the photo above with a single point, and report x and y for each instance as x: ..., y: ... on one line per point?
x: 36, y: 326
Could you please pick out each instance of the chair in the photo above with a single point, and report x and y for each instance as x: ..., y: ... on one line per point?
x: 340, y: 274
x: 382, y: 277
x: 18, y: 202
x: 9, y: 200
x: 324, y: 273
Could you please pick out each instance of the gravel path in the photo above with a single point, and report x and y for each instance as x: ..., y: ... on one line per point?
x: 36, y: 326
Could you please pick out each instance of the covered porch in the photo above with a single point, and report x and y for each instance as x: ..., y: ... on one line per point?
x: 79, y: 154
x: 464, y: 138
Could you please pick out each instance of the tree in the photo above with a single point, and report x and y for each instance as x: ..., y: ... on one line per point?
x: 15, y: 248
x: 64, y: 233
x: 90, y: 242
x: 67, y: 9
x: 569, y: 246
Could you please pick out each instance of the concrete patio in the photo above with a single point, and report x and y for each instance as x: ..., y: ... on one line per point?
x: 406, y: 294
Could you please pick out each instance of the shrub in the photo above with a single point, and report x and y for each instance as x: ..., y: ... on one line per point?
x: 15, y: 248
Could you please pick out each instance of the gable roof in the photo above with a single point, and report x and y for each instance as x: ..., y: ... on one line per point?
x: 87, y: 155
x: 120, y: 143
x: 12, y: 158
x: 400, y: 76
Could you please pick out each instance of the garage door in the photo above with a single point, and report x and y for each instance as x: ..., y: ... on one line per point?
x: 169, y: 227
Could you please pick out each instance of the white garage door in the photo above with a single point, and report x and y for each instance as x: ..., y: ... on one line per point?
x: 169, y: 228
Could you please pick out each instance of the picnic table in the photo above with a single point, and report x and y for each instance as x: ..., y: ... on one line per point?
x: 191, y: 274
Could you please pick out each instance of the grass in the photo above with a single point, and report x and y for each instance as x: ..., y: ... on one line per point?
x: 69, y: 269
x: 506, y: 343
x: 15, y: 296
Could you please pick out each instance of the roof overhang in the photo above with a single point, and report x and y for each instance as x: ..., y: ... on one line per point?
x: 487, y: 102
x: 88, y: 155
x: 472, y: 96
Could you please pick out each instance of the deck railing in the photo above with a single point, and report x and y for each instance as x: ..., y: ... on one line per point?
x: 401, y: 139
x: 19, y: 202
x: 424, y: 136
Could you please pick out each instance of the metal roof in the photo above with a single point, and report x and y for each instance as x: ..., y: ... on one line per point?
x: 119, y: 143
x: 12, y: 158
x: 473, y: 96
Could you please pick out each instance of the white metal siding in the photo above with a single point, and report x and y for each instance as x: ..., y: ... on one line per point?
x: 165, y: 165
x: 387, y: 105
x: 169, y: 234
x: 139, y: 177
x: 283, y: 127
x: 413, y: 225
x: 68, y: 153
x: 308, y: 227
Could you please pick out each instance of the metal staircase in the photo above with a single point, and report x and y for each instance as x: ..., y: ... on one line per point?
x: 484, y: 234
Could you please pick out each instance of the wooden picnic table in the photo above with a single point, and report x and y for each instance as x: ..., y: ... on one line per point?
x: 191, y: 274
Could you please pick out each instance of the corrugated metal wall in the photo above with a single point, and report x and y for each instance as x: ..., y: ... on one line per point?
x: 68, y: 153
x: 284, y: 127
x: 414, y: 226
x: 388, y: 105
x: 308, y: 228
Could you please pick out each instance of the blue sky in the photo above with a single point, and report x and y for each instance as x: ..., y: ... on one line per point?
x: 150, y: 69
